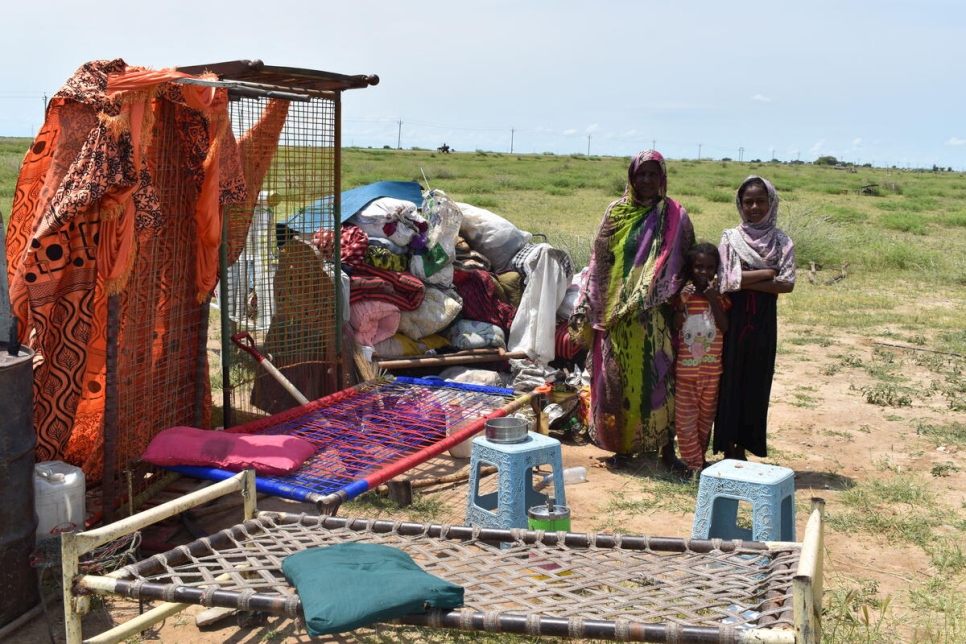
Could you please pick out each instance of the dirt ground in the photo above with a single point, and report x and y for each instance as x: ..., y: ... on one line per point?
x: 820, y: 425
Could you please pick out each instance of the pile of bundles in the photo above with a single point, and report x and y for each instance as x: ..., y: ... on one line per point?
x: 442, y: 276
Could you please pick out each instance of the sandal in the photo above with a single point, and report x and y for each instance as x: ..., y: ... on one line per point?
x: 676, y: 465
x: 688, y: 476
x: 617, y: 461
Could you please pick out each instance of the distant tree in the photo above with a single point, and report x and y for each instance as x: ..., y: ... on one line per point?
x: 726, y: 158
x: 755, y: 161
x: 826, y: 160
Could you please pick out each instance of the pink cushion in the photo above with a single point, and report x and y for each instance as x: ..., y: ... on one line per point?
x: 268, y: 454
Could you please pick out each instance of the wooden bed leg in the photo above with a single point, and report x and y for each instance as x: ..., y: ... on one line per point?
x: 249, y: 494
x: 75, y: 606
x: 401, y: 492
x: 807, y: 584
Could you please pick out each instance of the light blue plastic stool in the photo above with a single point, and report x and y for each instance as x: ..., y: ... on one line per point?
x: 507, y: 506
x: 769, y: 489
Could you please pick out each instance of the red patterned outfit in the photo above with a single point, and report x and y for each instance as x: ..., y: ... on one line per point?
x: 697, y: 377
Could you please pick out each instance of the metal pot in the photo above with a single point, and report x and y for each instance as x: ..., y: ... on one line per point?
x: 506, y: 429
x: 550, y: 517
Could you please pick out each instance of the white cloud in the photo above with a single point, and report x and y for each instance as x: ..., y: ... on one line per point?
x: 856, y: 142
x: 955, y: 141
x: 592, y: 129
x: 817, y: 148
x: 761, y: 98
x: 570, y: 132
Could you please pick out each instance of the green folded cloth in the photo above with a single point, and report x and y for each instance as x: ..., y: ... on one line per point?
x: 349, y: 585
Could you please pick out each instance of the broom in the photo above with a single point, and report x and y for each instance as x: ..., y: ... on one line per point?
x: 365, y: 369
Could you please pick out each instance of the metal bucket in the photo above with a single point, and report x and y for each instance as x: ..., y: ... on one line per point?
x: 550, y: 518
x: 18, y: 581
x: 507, y: 429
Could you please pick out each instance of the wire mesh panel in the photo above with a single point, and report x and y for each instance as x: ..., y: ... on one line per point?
x: 280, y: 286
x: 115, y: 241
x: 156, y: 331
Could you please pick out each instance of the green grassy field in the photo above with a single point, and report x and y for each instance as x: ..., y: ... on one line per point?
x: 903, y: 239
x: 901, y: 236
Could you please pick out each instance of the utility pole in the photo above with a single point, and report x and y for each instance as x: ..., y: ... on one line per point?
x: 653, y: 144
x: 511, y: 140
x: 588, y: 145
x: 399, y: 136
x: 741, y: 153
x: 699, y: 151
x: 771, y: 151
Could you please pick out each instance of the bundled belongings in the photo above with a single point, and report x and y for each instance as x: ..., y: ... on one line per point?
x: 433, y: 270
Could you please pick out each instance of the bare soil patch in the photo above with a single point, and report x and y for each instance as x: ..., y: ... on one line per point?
x: 821, y: 425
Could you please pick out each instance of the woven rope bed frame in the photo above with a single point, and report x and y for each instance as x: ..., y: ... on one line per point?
x: 599, y: 586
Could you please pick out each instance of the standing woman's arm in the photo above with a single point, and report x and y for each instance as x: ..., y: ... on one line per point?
x: 750, y: 277
x: 770, y: 286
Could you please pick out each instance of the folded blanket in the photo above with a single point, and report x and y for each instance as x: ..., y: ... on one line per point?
x: 350, y: 585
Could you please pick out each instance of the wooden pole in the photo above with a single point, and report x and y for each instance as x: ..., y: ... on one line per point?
x: 463, y: 357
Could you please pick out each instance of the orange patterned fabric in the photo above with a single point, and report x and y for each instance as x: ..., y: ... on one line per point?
x: 102, y: 208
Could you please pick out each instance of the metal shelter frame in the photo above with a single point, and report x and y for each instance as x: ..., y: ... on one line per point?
x: 302, y: 162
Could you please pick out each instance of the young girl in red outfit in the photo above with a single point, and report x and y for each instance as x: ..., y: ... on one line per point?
x: 701, y: 323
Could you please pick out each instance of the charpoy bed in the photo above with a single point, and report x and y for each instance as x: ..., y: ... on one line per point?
x: 599, y: 586
x: 368, y: 434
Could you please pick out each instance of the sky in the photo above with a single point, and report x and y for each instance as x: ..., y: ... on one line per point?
x: 875, y: 81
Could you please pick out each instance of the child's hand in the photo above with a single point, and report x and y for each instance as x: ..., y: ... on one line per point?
x: 712, y: 288
x: 687, y: 292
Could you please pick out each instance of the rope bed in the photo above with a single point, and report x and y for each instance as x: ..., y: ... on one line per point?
x: 600, y: 586
x: 368, y: 434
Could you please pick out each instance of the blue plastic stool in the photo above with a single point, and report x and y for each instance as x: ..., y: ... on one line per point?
x: 507, y: 506
x: 768, y: 488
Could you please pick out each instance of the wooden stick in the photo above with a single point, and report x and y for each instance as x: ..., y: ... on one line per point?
x: 840, y: 276
x: 899, y: 346
x: 456, y: 477
x: 484, y: 355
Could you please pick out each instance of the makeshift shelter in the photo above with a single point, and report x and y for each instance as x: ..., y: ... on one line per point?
x: 139, y: 185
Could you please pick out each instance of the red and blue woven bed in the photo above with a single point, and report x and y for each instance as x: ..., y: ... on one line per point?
x: 370, y: 433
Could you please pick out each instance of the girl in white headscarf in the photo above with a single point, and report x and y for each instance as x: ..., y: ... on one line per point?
x: 757, y: 264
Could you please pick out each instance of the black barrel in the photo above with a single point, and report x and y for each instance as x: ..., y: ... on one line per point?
x: 18, y: 522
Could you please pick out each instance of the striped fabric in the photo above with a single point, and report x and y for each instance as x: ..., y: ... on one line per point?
x: 481, y: 300
x: 405, y: 290
x: 563, y: 346
x: 695, y: 405
x: 354, y: 244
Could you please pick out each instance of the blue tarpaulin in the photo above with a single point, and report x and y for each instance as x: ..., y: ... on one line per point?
x: 312, y: 217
